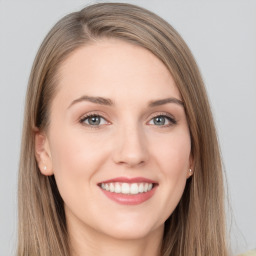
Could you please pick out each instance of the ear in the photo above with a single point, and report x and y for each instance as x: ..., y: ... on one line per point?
x: 190, y: 171
x: 43, y: 153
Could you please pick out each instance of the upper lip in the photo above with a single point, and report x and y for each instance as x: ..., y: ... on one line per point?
x: 129, y: 180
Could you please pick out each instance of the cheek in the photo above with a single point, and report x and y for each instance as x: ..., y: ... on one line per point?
x: 72, y: 151
x: 173, y: 160
x: 75, y: 160
x: 173, y: 154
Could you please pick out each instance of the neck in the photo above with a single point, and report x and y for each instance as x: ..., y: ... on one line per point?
x: 92, y: 243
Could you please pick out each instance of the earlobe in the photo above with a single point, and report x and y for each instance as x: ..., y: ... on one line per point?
x: 190, y: 173
x: 43, y: 154
x: 191, y: 167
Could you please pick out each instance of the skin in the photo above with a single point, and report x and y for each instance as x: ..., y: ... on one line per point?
x: 126, y: 143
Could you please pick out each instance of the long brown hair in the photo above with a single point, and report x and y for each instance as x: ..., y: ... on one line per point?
x: 197, y: 226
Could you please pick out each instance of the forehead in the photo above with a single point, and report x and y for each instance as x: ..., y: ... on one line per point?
x: 115, y: 69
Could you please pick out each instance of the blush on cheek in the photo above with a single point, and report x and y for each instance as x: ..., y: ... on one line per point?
x: 176, y: 161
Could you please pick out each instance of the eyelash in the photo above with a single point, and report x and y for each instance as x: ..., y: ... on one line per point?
x: 170, y: 118
x: 90, y: 115
x: 172, y: 121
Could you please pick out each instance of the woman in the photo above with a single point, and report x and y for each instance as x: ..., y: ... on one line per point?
x: 119, y: 153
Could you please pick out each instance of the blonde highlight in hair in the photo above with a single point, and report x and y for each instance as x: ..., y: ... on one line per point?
x: 197, y: 226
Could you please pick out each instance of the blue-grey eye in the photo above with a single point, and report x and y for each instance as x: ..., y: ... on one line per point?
x: 159, y: 120
x: 162, y: 120
x: 94, y: 120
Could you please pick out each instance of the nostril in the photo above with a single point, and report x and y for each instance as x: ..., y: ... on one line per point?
x: 131, y: 162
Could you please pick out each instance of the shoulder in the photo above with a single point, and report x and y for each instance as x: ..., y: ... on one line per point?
x: 249, y: 253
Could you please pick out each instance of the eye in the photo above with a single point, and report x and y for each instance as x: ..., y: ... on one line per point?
x: 93, y: 120
x: 162, y: 120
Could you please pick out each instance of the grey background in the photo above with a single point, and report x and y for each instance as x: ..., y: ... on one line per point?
x: 222, y: 36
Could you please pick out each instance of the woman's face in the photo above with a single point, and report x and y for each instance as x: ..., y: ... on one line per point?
x: 118, y: 142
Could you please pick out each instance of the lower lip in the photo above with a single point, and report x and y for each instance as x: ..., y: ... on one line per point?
x: 129, y: 199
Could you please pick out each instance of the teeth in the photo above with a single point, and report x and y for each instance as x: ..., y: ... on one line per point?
x: 127, y: 188
x: 111, y: 187
x: 141, y: 188
x: 134, y: 189
x: 118, y: 188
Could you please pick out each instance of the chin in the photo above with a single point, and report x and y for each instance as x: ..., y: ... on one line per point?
x: 134, y: 231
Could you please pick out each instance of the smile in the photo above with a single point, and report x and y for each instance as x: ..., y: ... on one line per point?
x: 128, y: 191
x: 127, y: 188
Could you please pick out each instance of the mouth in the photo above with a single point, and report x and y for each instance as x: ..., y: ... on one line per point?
x: 128, y: 191
x: 127, y: 188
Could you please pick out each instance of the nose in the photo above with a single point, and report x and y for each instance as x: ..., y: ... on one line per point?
x: 130, y: 147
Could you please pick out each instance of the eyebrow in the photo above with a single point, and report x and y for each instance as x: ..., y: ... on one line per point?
x: 96, y: 100
x: 165, y: 101
x: 109, y: 102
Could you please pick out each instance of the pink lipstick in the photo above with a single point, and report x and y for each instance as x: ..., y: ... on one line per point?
x: 129, y: 191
